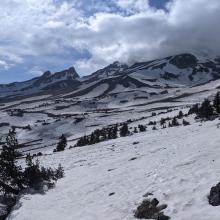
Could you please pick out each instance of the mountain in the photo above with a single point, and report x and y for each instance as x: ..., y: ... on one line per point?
x: 147, y: 79
x: 183, y: 69
x: 56, y: 83
x: 160, y: 155
x: 154, y: 77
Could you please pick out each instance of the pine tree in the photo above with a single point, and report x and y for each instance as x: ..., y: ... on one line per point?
x: 10, y: 172
x: 115, y: 132
x: 135, y: 130
x: 175, y: 122
x: 142, y: 128
x: 206, y: 110
x: 124, y: 131
x: 194, y: 109
x: 162, y: 121
x: 61, y: 144
x: 180, y: 115
x: 216, y: 102
x: 59, y: 172
x: 92, y: 139
x: 82, y: 141
x: 13, y: 178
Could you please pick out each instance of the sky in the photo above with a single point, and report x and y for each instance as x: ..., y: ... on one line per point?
x: 41, y: 35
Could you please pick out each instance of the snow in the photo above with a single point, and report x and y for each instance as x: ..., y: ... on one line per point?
x: 177, y: 165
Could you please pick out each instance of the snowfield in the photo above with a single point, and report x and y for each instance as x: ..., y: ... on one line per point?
x: 178, y: 165
x: 108, y: 180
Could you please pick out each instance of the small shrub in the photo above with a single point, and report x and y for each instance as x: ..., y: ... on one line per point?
x: 154, y: 128
x: 185, y: 123
x: 142, y: 128
x: 152, y: 123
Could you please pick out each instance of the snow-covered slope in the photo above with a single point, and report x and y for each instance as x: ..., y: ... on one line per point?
x: 108, y: 180
x: 177, y: 165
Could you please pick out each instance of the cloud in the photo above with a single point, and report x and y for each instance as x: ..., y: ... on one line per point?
x: 133, y: 6
x: 4, y: 65
x: 149, y: 33
x: 35, y: 71
x: 56, y: 33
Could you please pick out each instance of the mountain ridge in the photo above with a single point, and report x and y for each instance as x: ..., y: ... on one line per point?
x: 180, y: 70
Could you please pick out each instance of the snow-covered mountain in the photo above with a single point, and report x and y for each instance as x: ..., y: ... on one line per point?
x: 153, y: 77
x: 183, y: 69
x: 47, y: 83
x: 107, y: 180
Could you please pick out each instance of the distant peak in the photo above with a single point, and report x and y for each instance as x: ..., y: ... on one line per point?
x: 183, y: 61
x: 46, y: 74
x: 118, y: 64
x: 72, y: 72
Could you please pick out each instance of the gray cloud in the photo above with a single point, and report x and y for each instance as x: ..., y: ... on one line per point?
x: 48, y: 29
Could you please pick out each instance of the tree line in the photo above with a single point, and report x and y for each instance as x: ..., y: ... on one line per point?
x: 207, y: 109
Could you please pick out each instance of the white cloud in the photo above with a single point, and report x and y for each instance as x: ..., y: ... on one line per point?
x: 46, y: 30
x: 4, y: 65
x: 35, y: 71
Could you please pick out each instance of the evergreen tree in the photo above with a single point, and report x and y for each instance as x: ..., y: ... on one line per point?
x: 152, y: 123
x: 82, y: 141
x: 216, y: 102
x: 13, y: 178
x: 194, y: 109
x: 142, y: 128
x: 10, y: 172
x: 206, y: 110
x: 154, y: 128
x: 162, y: 121
x: 135, y: 130
x: 36, y: 176
x: 97, y: 135
x: 124, y: 131
x: 115, y: 132
x: 175, y: 122
x: 61, y: 144
x: 180, y: 115
x: 92, y: 139
x: 112, y: 132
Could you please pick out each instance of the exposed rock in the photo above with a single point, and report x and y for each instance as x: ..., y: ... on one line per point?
x: 111, y: 194
x: 149, y: 209
x: 184, y: 61
x: 133, y: 158
x: 214, y: 197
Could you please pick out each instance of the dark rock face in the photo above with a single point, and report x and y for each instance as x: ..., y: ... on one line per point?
x: 70, y: 74
x: 150, y: 209
x: 214, y: 197
x: 46, y: 74
x: 169, y: 76
x: 114, y: 69
x: 184, y: 61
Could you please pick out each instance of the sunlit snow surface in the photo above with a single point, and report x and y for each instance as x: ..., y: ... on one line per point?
x: 178, y: 165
